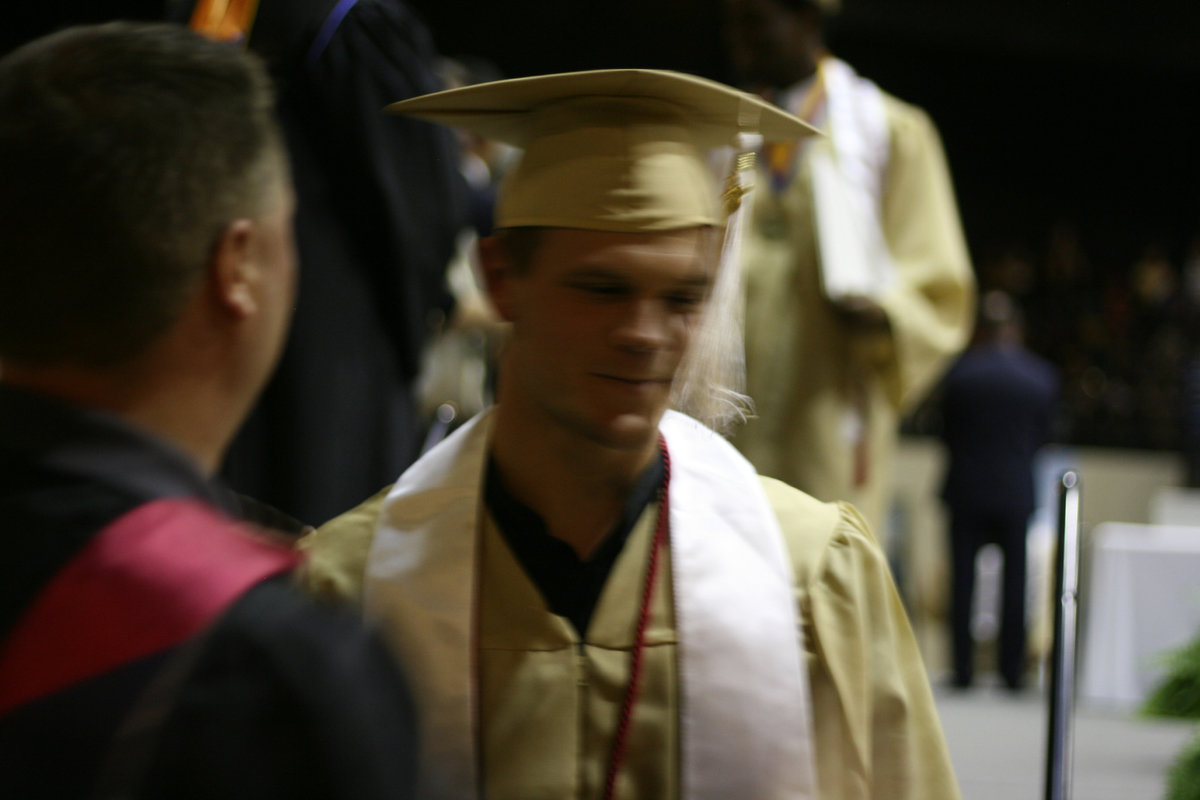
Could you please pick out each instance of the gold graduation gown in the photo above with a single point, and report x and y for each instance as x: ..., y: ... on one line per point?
x: 549, y: 701
x: 807, y: 370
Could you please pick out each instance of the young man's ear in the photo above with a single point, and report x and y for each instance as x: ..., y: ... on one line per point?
x: 495, y: 260
x: 232, y: 269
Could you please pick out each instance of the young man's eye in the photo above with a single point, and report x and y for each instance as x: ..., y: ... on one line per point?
x: 685, y: 301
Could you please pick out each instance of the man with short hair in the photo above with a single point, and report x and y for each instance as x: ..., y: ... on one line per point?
x: 859, y: 287
x: 598, y: 597
x: 998, y: 402
x: 151, y: 645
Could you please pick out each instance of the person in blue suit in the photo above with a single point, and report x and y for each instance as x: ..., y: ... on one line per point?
x: 998, y: 407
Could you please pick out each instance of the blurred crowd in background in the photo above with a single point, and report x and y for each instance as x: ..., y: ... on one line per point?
x: 1123, y: 335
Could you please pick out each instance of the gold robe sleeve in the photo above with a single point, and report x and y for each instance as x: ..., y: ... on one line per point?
x: 875, y: 726
x: 931, y: 308
x: 336, y: 553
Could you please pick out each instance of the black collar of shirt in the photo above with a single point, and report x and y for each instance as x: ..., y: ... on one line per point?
x: 570, y: 585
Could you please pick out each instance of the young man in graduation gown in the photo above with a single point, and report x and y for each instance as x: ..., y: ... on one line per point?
x: 859, y: 287
x: 599, y: 597
x: 151, y: 644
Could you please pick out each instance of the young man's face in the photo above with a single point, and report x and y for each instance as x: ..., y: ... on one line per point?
x: 771, y: 45
x: 600, y: 323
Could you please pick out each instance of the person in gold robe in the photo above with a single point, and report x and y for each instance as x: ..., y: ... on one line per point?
x: 859, y: 287
x: 593, y: 593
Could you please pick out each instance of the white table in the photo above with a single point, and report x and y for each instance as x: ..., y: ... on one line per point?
x: 1175, y: 505
x: 1141, y: 600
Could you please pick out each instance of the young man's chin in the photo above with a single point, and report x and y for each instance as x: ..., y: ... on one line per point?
x: 628, y: 431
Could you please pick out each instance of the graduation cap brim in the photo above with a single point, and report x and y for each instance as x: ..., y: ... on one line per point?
x: 501, y: 110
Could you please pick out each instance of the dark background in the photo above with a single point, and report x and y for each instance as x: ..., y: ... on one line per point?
x: 1069, y: 126
x: 1070, y: 129
x: 1050, y: 110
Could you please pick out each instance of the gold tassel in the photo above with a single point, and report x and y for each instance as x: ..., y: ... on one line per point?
x: 734, y: 190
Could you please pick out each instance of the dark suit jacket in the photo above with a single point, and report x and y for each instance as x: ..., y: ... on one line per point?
x: 997, y: 410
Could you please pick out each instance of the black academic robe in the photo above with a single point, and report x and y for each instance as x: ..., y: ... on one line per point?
x: 380, y: 203
x: 284, y: 698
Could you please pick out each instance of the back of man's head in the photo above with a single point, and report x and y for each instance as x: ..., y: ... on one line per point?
x: 999, y: 319
x: 126, y: 149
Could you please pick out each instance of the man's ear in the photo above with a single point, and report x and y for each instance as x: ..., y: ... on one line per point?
x: 495, y: 260
x: 232, y: 269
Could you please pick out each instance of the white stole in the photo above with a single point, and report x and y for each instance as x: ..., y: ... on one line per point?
x: 847, y: 172
x: 745, y: 724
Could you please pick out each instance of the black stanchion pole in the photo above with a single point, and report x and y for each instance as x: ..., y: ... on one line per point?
x: 1066, y: 622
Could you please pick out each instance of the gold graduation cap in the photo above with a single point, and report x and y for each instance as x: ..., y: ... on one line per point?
x: 617, y: 150
x: 629, y: 150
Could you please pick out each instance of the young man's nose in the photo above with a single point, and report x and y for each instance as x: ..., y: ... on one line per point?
x: 644, y: 325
